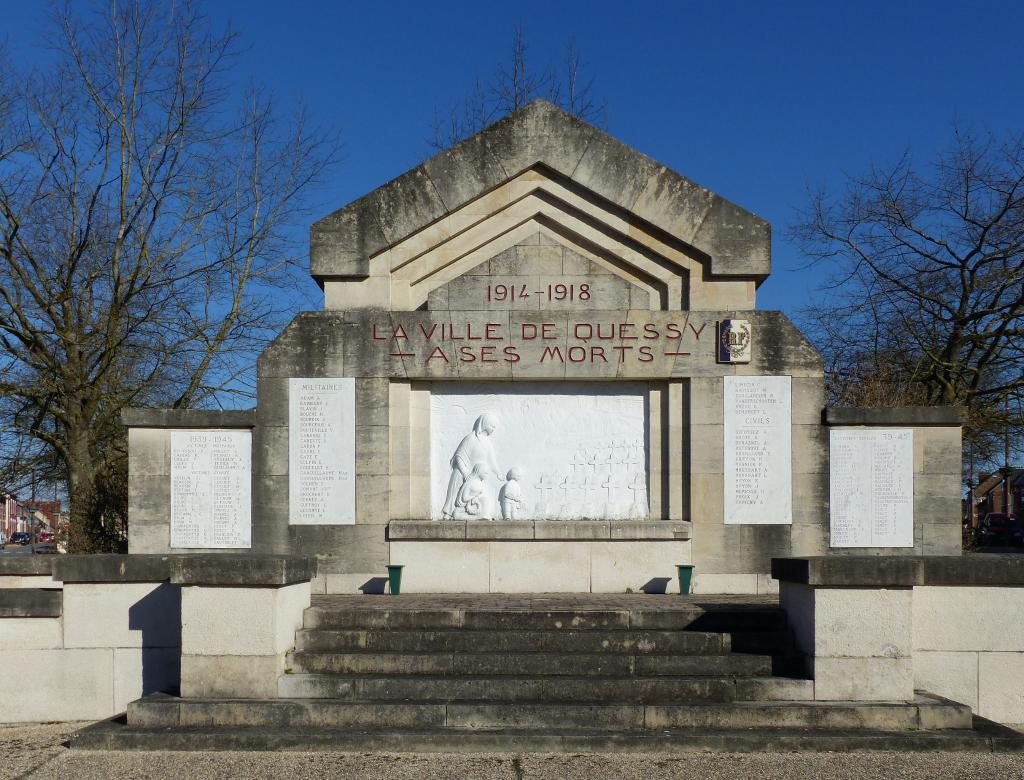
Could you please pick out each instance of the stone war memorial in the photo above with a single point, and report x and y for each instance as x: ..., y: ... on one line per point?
x: 540, y: 385
x: 539, y: 367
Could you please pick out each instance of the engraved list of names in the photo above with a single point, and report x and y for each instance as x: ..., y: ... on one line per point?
x: 758, y: 453
x: 211, y: 489
x: 871, y: 488
x: 321, y: 451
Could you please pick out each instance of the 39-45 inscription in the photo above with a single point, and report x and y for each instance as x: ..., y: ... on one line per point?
x: 550, y: 292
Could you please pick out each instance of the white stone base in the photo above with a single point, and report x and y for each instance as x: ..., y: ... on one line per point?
x: 578, y: 566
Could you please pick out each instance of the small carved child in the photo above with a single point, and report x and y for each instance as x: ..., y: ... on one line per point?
x: 511, y: 495
x: 473, y: 495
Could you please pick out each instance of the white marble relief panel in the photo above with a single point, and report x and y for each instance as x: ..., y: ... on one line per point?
x: 539, y: 451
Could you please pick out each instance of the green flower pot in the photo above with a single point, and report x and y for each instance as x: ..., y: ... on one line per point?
x: 395, y: 579
x: 685, y: 577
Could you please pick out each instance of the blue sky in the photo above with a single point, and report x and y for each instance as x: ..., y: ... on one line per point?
x: 756, y: 101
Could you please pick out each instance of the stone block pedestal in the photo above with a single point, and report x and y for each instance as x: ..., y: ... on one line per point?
x: 856, y: 642
x: 237, y: 623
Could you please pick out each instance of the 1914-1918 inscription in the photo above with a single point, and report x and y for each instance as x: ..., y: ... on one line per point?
x: 871, y: 493
x: 211, y: 489
x: 758, y: 451
x: 558, y: 291
x: 321, y: 451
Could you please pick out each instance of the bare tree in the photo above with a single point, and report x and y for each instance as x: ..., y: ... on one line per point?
x: 926, y: 301
x: 145, y: 242
x: 514, y: 84
x: 574, y: 92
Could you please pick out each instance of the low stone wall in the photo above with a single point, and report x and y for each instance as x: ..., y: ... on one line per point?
x: 27, y: 571
x: 116, y: 627
x: 856, y: 642
x: 113, y: 636
x: 879, y: 629
x: 969, y: 647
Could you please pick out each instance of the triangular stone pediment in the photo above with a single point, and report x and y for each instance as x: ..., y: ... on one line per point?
x: 537, y: 166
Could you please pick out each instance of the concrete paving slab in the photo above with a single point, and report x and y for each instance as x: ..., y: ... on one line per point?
x: 384, y: 766
x: 36, y: 751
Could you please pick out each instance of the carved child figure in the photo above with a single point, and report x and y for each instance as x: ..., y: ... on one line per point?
x: 511, y: 495
x: 473, y: 498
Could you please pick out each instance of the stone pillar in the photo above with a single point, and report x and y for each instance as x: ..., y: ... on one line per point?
x: 856, y: 642
x: 852, y: 620
x: 238, y: 620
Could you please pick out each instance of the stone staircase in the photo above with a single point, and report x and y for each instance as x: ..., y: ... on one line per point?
x: 544, y: 673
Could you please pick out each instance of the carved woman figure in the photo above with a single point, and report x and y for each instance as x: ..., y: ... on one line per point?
x: 475, y: 448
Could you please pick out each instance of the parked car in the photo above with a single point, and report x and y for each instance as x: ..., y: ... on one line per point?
x: 998, y: 529
x: 22, y: 538
x: 47, y: 548
x: 45, y: 536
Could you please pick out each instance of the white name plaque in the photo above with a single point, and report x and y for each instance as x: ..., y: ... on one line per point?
x: 211, y: 489
x: 322, y: 451
x: 871, y: 488
x: 758, y: 450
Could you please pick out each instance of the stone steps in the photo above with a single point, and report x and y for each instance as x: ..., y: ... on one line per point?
x: 116, y: 735
x: 535, y: 663
x: 923, y: 713
x: 692, y: 618
x: 559, y: 641
x: 552, y: 673
x: 541, y: 689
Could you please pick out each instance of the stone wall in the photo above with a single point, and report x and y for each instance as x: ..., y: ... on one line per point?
x: 968, y: 648
x: 937, y: 473
x: 93, y: 633
x: 93, y: 649
x: 685, y: 450
x: 881, y: 628
x: 393, y: 434
x: 149, y: 468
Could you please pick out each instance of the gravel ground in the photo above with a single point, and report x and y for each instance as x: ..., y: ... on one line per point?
x: 36, y: 751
